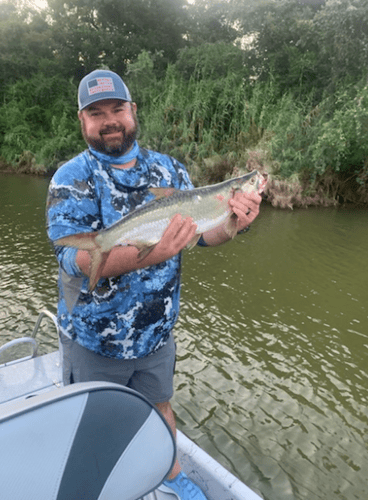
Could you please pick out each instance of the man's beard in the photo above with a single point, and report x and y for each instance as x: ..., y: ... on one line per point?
x: 116, y: 148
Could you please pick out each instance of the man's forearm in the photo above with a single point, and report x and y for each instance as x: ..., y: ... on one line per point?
x: 120, y: 260
x: 124, y: 259
x: 216, y: 236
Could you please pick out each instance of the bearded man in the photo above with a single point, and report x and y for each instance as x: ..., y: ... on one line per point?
x: 122, y: 330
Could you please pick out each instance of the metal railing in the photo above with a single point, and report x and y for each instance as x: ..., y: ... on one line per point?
x: 27, y: 340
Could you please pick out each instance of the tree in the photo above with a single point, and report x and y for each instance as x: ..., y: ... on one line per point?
x: 92, y: 33
x: 24, y: 42
x: 305, y: 44
x: 342, y: 28
x: 211, y: 22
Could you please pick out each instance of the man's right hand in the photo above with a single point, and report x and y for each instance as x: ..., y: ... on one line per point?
x: 124, y: 259
x: 175, y: 238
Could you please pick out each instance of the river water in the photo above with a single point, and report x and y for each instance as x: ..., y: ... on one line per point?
x: 272, y: 367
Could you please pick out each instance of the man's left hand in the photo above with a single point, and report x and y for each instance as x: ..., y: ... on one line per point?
x: 246, y: 207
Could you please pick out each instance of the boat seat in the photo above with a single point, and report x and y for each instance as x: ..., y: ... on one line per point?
x: 87, y: 441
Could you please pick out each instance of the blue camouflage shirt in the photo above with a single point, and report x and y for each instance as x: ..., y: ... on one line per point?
x: 128, y: 316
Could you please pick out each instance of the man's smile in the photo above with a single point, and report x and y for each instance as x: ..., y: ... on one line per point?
x: 112, y: 135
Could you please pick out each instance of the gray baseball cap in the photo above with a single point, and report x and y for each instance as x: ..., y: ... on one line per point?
x: 100, y: 85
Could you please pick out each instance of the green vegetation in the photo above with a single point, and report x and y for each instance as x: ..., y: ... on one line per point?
x: 224, y: 87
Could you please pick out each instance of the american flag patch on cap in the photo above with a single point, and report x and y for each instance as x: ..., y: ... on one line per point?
x: 98, y: 85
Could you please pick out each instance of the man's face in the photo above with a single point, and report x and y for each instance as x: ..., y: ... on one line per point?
x: 110, y: 126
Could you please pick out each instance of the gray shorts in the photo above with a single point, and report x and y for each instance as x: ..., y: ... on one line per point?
x: 151, y: 376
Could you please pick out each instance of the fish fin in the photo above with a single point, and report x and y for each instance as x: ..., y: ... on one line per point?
x: 231, y: 225
x: 87, y: 241
x: 144, y: 250
x: 193, y: 242
x: 82, y: 241
x: 162, y: 192
x: 98, y: 260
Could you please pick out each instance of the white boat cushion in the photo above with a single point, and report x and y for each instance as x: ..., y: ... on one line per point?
x: 93, y: 441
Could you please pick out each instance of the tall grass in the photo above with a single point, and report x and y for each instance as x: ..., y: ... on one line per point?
x: 196, y: 119
x: 225, y: 123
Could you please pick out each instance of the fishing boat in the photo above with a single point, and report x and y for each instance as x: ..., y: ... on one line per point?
x: 67, y: 443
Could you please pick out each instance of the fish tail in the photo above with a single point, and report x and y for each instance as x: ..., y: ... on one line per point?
x: 87, y: 241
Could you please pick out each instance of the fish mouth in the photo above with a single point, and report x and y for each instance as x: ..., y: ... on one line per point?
x: 263, y: 181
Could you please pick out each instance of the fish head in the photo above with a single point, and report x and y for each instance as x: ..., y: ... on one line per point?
x: 255, y: 181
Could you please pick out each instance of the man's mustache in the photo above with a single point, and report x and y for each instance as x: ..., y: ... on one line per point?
x: 112, y: 130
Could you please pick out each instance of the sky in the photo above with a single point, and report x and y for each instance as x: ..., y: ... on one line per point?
x: 39, y: 3
x: 43, y: 3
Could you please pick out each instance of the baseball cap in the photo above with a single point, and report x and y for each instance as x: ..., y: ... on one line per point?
x: 100, y: 85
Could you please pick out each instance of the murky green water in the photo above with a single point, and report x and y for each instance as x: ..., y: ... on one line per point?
x: 272, y: 371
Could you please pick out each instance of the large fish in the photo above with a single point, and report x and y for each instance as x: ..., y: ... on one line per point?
x: 143, y: 228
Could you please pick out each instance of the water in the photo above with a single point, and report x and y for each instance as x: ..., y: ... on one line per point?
x: 272, y: 341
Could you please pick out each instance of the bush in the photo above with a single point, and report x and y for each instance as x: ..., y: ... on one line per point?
x: 330, y: 136
x: 39, y: 117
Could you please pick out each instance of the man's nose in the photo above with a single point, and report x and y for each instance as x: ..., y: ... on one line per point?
x: 109, y: 118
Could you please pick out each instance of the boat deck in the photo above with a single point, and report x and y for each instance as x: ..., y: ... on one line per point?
x: 32, y: 376
x: 43, y: 373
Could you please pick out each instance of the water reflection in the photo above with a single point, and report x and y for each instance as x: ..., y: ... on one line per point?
x: 27, y: 266
x: 276, y: 327
x: 272, y: 341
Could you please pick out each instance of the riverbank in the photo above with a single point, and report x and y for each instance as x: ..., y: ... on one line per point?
x: 328, y: 190
x: 297, y: 191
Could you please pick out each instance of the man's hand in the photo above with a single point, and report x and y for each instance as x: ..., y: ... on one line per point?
x: 246, y: 207
x: 176, y: 237
x: 124, y: 259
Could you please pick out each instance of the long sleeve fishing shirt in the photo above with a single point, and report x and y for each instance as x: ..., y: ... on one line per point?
x: 128, y: 316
